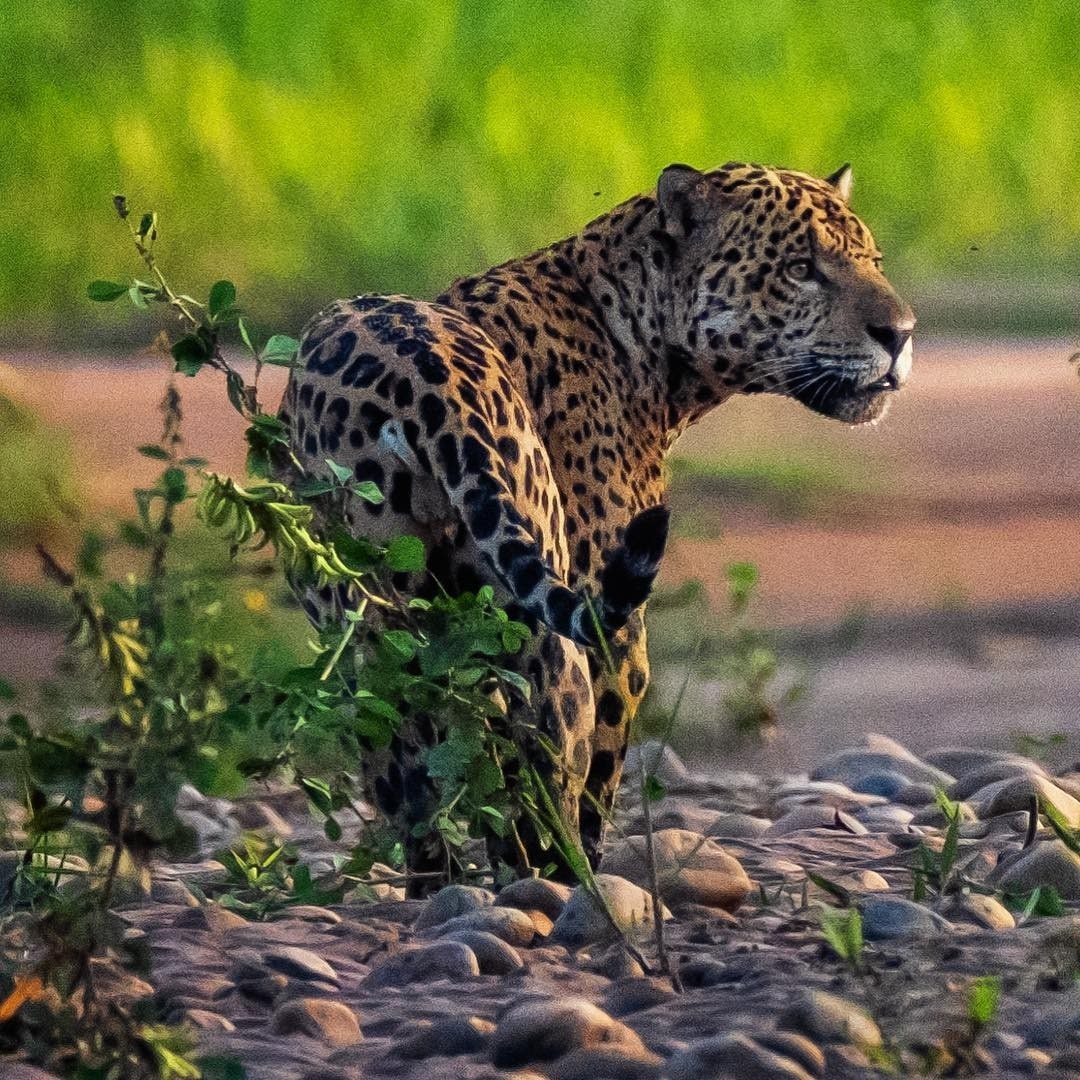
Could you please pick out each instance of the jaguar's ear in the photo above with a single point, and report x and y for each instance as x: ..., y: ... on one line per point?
x: 841, y: 180
x: 675, y: 194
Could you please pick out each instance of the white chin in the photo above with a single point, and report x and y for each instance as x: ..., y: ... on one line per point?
x: 902, y: 367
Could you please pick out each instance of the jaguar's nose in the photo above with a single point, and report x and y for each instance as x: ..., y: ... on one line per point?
x: 892, y: 338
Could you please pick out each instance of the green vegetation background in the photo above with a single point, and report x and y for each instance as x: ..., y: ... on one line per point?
x: 328, y: 147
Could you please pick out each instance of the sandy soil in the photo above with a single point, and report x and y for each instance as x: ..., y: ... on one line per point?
x: 976, y: 461
x: 979, y: 506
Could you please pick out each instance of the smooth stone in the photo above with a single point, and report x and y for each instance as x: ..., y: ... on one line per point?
x: 862, y: 881
x: 307, y: 913
x: 816, y: 817
x: 884, y: 819
x: 660, y: 761
x: 886, y: 783
x: 634, y: 995
x: 1015, y: 794
x: 824, y: 792
x: 790, y: 1044
x: 675, y: 812
x: 892, y: 917
x: 205, y: 1020
x: 852, y: 765
x: 172, y: 891
x: 542, y: 924
x: 916, y: 795
x: 1048, y: 862
x: 991, y: 773
x: 535, y: 894
x: 448, y: 1036
x: 699, y: 971
x: 511, y: 925
x: 264, y: 988
x: 933, y: 816
x: 690, y: 868
x: 19, y: 1071
x: 732, y: 1057
x: 616, y: 963
x: 961, y: 760
x: 322, y: 1018
x: 212, y: 917
x: 450, y: 902
x: 538, y: 1031
x: 738, y: 827
x: 425, y: 963
x: 607, y: 1063
x: 831, y: 1019
x: 297, y: 963
x: 494, y: 955
x: 984, y: 911
x: 582, y: 921
x: 260, y: 817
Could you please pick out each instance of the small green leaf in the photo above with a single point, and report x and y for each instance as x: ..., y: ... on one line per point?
x: 152, y: 450
x: 190, y: 353
x: 405, y: 553
x: 138, y: 298
x: 237, y: 392
x: 983, y: 999
x: 318, y: 791
x: 332, y: 829
x: 105, y: 291
x: 369, y: 491
x: 401, y: 641
x: 245, y: 337
x: 91, y: 551
x: 222, y: 297
x: 654, y: 790
x: 174, y: 483
x: 311, y: 487
x: 280, y: 350
x: 148, y: 226
x: 1069, y: 836
x: 342, y: 473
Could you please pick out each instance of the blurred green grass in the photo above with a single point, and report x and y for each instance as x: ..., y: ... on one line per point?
x: 38, y: 493
x: 311, y: 150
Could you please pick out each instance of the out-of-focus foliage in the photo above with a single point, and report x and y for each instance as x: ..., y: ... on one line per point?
x: 339, y: 146
x: 35, y: 462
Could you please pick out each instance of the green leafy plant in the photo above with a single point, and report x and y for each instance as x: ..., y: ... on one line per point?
x: 175, y: 707
x: 843, y: 932
x: 935, y: 871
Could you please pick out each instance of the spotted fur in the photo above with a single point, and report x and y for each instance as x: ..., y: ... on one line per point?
x: 519, y: 423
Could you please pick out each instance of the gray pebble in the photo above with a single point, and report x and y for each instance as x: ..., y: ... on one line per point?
x: 324, y: 1019
x: 494, y: 955
x: 732, y: 1057
x: 831, y: 1019
x: 511, y: 925
x: 425, y: 963
x: 535, y: 894
x: 890, y: 917
x: 452, y: 901
x: 538, y: 1031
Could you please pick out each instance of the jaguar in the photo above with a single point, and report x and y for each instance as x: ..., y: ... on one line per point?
x: 518, y: 424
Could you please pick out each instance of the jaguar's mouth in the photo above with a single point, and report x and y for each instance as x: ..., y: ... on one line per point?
x: 842, y: 398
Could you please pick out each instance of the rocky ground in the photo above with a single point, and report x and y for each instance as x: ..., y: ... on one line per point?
x: 533, y: 982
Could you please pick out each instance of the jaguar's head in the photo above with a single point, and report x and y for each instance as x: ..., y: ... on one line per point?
x: 773, y: 285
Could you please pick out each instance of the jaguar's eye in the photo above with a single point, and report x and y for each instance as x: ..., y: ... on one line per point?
x: 799, y: 269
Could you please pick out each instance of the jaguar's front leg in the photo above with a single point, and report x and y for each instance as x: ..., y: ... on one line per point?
x: 617, y: 692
